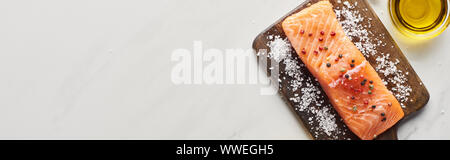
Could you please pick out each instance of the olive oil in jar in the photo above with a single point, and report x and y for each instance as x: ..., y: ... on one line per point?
x: 421, y: 19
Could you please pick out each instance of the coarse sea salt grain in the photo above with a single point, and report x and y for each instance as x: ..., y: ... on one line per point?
x: 279, y: 49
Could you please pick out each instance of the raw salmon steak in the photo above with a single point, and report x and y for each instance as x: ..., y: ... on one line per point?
x: 353, y: 86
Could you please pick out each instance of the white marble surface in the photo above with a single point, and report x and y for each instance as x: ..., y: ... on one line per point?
x: 100, y: 69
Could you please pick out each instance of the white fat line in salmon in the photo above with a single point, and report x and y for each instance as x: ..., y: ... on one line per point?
x: 350, y: 73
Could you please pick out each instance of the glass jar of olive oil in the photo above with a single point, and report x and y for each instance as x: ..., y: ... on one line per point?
x: 420, y: 19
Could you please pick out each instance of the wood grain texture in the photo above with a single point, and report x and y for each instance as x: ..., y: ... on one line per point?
x: 419, y: 94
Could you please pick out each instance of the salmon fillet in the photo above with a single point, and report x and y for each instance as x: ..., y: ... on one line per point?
x: 353, y: 86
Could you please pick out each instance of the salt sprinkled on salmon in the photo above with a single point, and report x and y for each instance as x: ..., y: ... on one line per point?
x: 353, y: 28
x: 365, y: 121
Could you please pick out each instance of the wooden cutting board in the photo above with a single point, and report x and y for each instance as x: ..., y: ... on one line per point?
x: 417, y: 99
